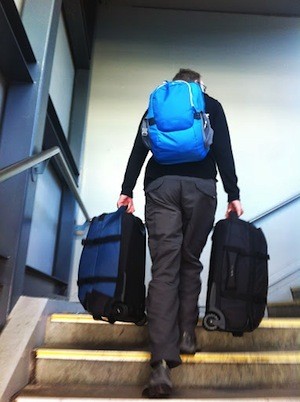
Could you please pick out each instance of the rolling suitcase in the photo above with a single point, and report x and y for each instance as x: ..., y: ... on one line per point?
x: 111, y: 272
x: 238, y: 277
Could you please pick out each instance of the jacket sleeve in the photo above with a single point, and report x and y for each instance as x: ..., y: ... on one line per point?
x: 222, y: 152
x: 135, y: 162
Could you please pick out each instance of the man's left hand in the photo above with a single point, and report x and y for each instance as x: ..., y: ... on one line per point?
x: 234, y: 206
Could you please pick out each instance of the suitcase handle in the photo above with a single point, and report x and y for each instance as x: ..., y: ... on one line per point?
x: 122, y: 209
x: 233, y: 215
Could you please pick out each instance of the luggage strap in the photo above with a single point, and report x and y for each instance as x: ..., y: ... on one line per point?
x: 151, y: 120
x: 231, y: 275
x: 240, y: 251
x: 244, y: 297
x: 96, y: 279
x: 100, y: 240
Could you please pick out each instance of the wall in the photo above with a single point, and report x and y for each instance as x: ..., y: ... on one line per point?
x: 45, y: 220
x: 62, y: 77
x: 250, y: 64
x: 2, y: 95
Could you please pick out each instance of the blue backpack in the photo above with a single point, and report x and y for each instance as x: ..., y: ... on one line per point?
x: 176, y: 128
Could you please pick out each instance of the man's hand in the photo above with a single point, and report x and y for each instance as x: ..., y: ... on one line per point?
x: 234, y: 206
x: 126, y: 201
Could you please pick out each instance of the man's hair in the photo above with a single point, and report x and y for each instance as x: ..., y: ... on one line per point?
x: 187, y: 75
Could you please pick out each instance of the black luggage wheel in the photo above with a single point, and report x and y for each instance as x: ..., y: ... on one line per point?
x: 142, y: 321
x: 210, y: 321
x: 119, y: 311
x: 111, y: 319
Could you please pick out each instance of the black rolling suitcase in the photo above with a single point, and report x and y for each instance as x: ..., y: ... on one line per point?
x: 238, y: 277
x: 111, y: 272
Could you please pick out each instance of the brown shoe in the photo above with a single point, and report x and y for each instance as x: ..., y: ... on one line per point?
x: 188, y: 343
x: 160, y: 384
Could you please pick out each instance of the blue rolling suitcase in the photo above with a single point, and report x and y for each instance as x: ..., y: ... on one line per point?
x: 111, y: 276
x: 238, y: 277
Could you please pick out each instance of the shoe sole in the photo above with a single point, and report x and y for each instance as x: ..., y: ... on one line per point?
x: 158, y: 391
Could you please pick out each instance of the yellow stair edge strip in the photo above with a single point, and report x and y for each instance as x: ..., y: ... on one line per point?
x: 81, y: 319
x: 280, y: 323
x: 290, y: 357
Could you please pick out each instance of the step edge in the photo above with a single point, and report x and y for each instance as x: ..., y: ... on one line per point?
x: 290, y: 303
x: 281, y: 322
x: 272, y: 357
x: 87, y: 399
x: 180, y: 393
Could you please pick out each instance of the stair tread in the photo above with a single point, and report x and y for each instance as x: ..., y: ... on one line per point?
x: 81, y: 331
x: 134, y: 392
x: 287, y: 309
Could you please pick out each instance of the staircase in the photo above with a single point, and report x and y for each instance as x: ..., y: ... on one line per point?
x: 83, y: 359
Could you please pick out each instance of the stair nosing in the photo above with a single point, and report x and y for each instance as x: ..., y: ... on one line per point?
x: 219, y: 399
x: 272, y: 357
x: 280, y: 322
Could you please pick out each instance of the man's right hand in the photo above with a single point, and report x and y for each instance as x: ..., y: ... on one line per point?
x: 126, y: 201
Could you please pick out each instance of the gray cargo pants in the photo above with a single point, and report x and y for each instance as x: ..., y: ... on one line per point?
x: 179, y: 217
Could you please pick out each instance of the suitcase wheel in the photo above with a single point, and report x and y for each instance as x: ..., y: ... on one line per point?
x: 210, y: 321
x: 142, y: 321
x: 119, y: 311
x: 111, y: 319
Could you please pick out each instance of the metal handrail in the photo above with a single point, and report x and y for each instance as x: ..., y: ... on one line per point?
x: 270, y: 211
x: 27, y: 163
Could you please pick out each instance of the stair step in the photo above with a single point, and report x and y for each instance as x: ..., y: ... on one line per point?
x: 296, y: 293
x: 90, y: 393
x: 81, y: 331
x: 218, y: 370
x: 284, y: 309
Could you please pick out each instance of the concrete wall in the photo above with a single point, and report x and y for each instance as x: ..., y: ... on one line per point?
x: 250, y: 64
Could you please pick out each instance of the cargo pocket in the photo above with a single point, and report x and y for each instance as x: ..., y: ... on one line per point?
x: 207, y: 187
x: 154, y: 185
